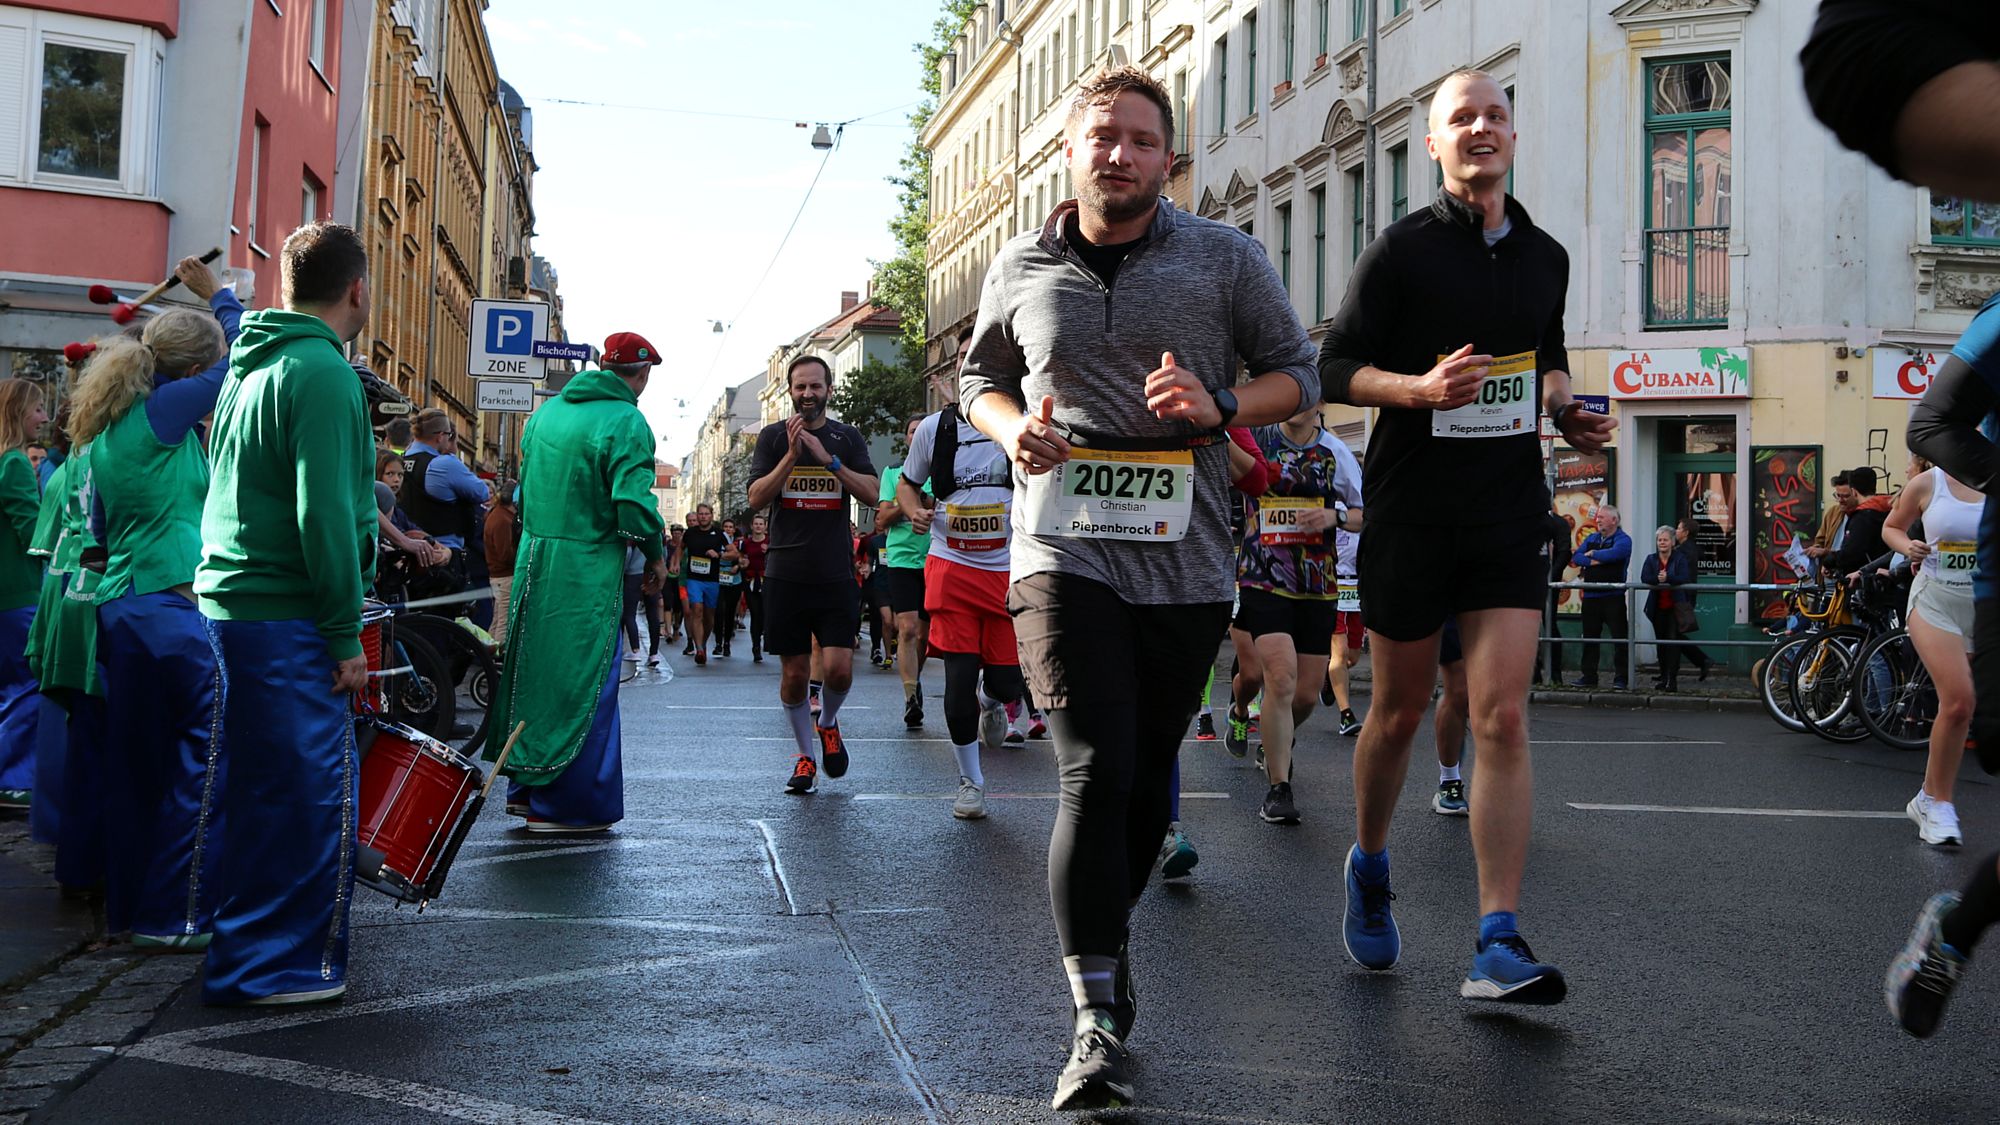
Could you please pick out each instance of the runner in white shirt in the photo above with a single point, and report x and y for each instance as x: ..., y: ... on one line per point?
x: 965, y: 585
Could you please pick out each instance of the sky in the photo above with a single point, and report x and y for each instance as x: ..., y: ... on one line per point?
x: 660, y: 223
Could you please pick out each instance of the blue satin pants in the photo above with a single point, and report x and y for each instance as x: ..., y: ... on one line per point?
x: 162, y: 692
x: 591, y: 789
x: 20, y: 701
x: 285, y: 861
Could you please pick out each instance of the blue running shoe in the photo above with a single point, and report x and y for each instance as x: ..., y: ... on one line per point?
x: 1506, y: 970
x: 1370, y: 929
x: 1177, y: 855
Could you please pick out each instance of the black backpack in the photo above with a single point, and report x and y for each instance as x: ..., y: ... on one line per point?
x: 944, y: 456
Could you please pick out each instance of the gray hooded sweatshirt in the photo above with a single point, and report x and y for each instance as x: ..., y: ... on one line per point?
x: 1200, y: 289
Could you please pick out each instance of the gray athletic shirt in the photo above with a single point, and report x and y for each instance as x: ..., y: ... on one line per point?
x: 1202, y: 290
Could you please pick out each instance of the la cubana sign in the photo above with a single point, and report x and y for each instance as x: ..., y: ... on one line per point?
x: 1681, y: 373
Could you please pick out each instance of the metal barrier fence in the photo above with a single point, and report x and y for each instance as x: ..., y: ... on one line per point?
x: 1633, y: 616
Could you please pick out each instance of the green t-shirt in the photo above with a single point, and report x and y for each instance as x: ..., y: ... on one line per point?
x: 906, y: 548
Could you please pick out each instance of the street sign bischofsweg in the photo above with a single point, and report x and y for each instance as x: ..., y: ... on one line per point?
x: 503, y: 339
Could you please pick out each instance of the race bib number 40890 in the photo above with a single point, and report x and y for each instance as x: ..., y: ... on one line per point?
x: 1099, y: 494
x: 1505, y: 405
x: 812, y: 488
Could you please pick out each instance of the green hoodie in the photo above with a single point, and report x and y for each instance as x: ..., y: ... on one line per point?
x: 288, y: 530
x: 596, y: 482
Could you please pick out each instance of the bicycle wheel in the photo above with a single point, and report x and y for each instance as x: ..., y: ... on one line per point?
x: 1821, y: 688
x: 469, y: 672
x: 1898, y: 701
x: 1774, y: 681
x: 420, y: 694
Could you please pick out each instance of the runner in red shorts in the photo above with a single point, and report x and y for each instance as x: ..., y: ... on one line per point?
x: 965, y: 585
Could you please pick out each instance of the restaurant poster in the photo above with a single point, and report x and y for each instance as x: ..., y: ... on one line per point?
x: 1583, y: 482
x: 1785, y: 504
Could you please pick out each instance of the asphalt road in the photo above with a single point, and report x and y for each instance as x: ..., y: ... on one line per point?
x: 735, y: 954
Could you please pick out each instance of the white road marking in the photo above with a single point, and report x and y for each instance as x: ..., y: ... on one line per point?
x: 1718, y: 810
x: 1005, y: 796
x: 906, y: 1062
x: 409, y: 1095
x: 552, y: 853
x: 457, y: 995
x: 776, y: 870
x: 773, y: 707
x: 1627, y: 742
x: 476, y: 914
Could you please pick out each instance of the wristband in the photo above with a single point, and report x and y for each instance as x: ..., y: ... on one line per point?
x: 833, y: 463
x: 1556, y: 415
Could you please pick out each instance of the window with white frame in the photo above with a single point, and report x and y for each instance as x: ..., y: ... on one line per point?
x: 316, y: 42
x: 79, y: 102
x: 309, y: 201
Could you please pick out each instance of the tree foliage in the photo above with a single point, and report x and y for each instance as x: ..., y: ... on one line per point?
x: 899, y: 282
x: 879, y: 397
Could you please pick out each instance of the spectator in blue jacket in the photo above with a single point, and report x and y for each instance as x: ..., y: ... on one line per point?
x: 1605, y: 556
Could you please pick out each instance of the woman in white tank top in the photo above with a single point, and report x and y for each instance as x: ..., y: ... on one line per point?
x: 1940, y: 626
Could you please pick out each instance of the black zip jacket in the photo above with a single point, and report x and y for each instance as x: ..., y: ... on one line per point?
x: 1425, y: 288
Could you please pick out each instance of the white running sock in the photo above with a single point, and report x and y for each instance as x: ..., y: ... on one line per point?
x: 1092, y: 979
x: 829, y: 706
x: 968, y: 762
x: 801, y: 719
x: 1447, y: 773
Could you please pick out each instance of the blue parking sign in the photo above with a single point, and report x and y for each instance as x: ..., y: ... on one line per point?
x: 509, y: 331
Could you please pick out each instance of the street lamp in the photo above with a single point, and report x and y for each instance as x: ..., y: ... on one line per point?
x: 822, y: 139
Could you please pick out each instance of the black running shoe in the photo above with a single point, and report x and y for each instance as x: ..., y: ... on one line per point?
x: 1125, y: 1009
x: 1278, y: 807
x: 913, y: 711
x: 1097, y: 1075
x: 1326, y: 696
x: 833, y: 751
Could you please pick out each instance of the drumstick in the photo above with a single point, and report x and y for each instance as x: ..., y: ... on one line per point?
x: 126, y: 310
x: 501, y: 762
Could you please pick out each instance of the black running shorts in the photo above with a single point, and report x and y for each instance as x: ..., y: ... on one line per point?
x: 795, y: 613
x: 906, y: 588
x: 1413, y: 576
x: 1308, y: 621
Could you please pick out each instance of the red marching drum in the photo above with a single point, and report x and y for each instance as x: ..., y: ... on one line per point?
x: 373, y: 638
x: 418, y: 799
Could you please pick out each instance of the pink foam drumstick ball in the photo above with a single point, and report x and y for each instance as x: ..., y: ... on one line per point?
x: 123, y: 314
x: 75, y: 353
x: 102, y: 295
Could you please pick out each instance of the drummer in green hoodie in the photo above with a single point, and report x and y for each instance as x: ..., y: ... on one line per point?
x: 586, y: 495
x: 288, y: 533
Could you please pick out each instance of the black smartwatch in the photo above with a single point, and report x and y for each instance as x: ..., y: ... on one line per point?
x: 1225, y: 401
x: 1556, y: 415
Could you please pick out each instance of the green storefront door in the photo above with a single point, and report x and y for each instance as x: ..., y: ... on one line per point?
x: 1697, y: 481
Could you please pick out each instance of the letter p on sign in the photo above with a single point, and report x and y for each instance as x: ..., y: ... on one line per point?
x: 508, y: 332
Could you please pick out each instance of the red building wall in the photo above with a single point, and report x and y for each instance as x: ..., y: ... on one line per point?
x: 296, y: 109
x: 102, y: 238
x: 163, y: 16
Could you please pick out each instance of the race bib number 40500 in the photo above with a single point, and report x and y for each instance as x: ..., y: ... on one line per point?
x: 812, y: 488
x: 1505, y: 406
x: 1099, y: 494
x: 975, y: 527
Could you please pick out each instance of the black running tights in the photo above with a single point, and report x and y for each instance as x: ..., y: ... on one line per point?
x: 1121, y: 683
x: 961, y: 694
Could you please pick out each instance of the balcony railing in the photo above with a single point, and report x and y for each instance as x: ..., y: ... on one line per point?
x: 1687, y: 277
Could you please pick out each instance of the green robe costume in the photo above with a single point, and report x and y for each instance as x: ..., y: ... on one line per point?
x: 62, y: 644
x: 586, y: 495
